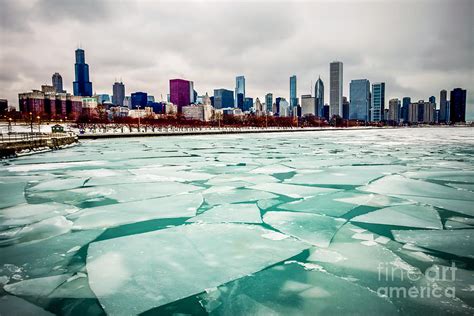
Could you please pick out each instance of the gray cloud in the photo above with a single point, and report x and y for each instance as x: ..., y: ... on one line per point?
x: 416, y: 47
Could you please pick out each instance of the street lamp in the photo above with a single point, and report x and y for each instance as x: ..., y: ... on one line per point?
x: 9, y: 125
x: 39, y: 124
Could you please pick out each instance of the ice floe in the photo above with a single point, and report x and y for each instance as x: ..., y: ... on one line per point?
x: 230, y: 213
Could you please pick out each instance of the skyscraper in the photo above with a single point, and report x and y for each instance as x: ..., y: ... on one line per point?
x: 308, y: 105
x: 293, y: 98
x: 359, y: 94
x: 394, y: 110
x: 335, y: 88
x: 239, y: 88
x: 57, y: 82
x: 223, y: 98
x: 139, y: 99
x: 118, y: 93
x: 432, y: 99
x: 405, y: 108
x: 82, y: 86
x: 378, y: 102
x: 345, y: 108
x: 180, y: 93
x: 458, y: 105
x: 443, y: 111
x: 319, y: 97
x: 269, y: 102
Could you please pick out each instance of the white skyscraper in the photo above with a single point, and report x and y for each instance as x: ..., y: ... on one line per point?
x: 335, y: 88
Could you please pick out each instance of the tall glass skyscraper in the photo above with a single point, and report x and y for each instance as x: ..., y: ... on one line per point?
x: 293, y: 98
x: 359, y: 99
x: 405, y: 108
x: 335, y: 88
x: 443, y: 111
x: 223, y: 98
x: 239, y: 89
x: 378, y: 102
x: 269, y: 102
x: 458, y: 105
x: 118, y: 93
x: 319, y: 97
x: 82, y: 86
x: 57, y: 81
x: 180, y: 93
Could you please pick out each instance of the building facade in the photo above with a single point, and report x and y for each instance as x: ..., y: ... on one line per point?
x: 421, y: 112
x: 319, y: 97
x: 443, y: 102
x: 180, y: 93
x: 457, y: 105
x: 223, y: 98
x: 239, y: 89
x: 269, y: 102
x: 406, y: 101
x: 293, y: 92
x: 57, y: 82
x: 50, y: 105
x: 118, y: 93
x: 359, y: 95
x: 377, y: 108
x: 394, y: 110
x: 81, y: 85
x: 308, y: 105
x: 139, y: 99
x: 335, y: 88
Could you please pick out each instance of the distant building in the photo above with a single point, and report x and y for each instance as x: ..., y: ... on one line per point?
x: 421, y: 112
x: 308, y: 105
x: 269, y: 102
x: 82, y: 86
x: 48, y: 89
x: 118, y: 93
x: 432, y: 99
x: 239, y: 89
x: 394, y: 110
x: 359, y: 94
x: 319, y: 97
x: 248, y: 103
x: 326, y: 111
x: 458, y: 105
x: 443, y: 106
x: 283, y: 108
x: 57, y: 82
x: 293, y: 92
x: 139, y: 99
x: 180, y: 92
x: 127, y: 102
x: 3, y: 106
x: 259, y: 108
x: 335, y: 88
x: 223, y: 98
x: 406, y: 101
x: 102, y: 98
x: 345, y: 108
x: 171, y: 109
x: 200, y: 112
x: 50, y: 105
x: 378, y: 102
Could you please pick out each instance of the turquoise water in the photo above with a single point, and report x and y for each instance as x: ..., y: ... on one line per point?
x: 333, y: 222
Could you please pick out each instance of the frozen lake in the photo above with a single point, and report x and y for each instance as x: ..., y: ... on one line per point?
x: 331, y: 222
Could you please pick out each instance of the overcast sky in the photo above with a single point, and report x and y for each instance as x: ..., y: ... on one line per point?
x: 416, y: 47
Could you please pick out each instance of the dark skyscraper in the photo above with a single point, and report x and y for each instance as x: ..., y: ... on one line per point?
x: 223, y: 98
x: 118, y: 93
x: 293, y: 92
x: 359, y: 99
x: 458, y: 105
x: 319, y: 97
x: 57, y: 81
x: 180, y: 92
x: 345, y: 108
x: 432, y: 99
x: 269, y: 102
x: 405, y: 107
x: 82, y: 85
x: 139, y: 99
x: 378, y: 102
x: 443, y: 110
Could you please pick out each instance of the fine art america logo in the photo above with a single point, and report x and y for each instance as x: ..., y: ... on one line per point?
x: 423, y: 285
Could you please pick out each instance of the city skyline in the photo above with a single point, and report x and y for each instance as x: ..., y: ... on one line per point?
x: 418, y: 75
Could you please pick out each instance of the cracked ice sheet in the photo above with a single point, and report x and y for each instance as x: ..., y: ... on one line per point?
x: 230, y: 213
x: 24, y: 214
x: 183, y: 205
x: 313, y: 292
x: 236, y: 196
x: 424, y: 192
x: 12, y: 305
x: 44, y: 229
x: 375, y: 266
x: 290, y: 190
x: 58, y: 184
x: 327, y: 204
x: 466, y: 176
x: 156, y: 268
x: 315, y: 229
x: 457, y: 242
x: 345, y: 175
x: 403, y: 215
